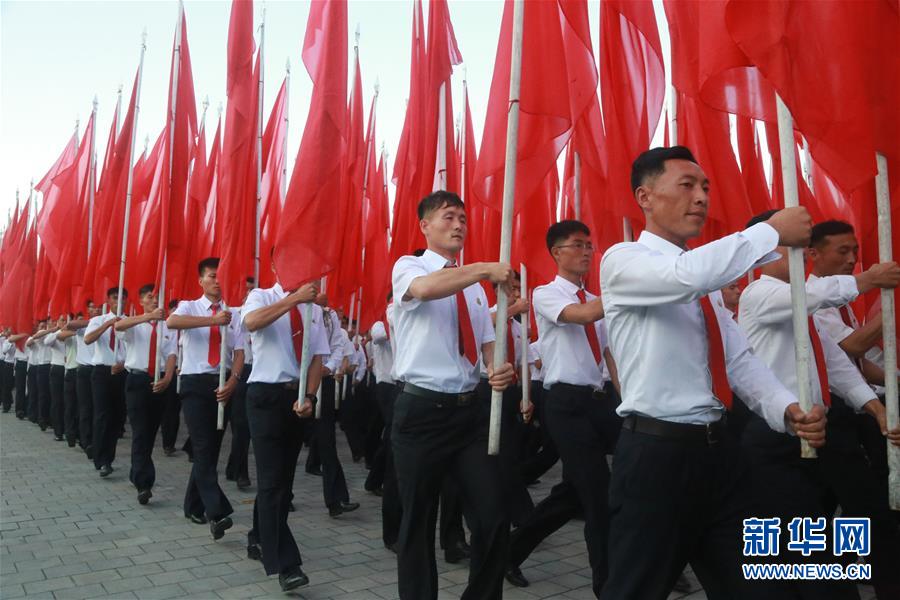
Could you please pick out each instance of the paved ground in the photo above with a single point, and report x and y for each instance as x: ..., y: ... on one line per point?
x: 67, y: 534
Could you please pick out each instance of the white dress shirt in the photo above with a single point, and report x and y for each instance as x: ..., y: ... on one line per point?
x: 359, y: 359
x: 336, y: 345
x: 382, y: 354
x: 102, y: 355
x: 20, y: 354
x: 516, y: 329
x: 567, y: 355
x: 137, y: 341
x: 534, y: 351
x: 84, y: 354
x: 829, y: 318
x: 765, y: 315
x: 31, y: 355
x: 275, y: 360
x: 71, y: 353
x: 651, y: 291
x: 8, y: 351
x: 392, y: 328
x: 427, y: 332
x: 55, y: 348
x: 195, y: 341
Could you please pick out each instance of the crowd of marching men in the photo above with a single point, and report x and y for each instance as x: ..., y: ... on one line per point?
x: 688, y: 381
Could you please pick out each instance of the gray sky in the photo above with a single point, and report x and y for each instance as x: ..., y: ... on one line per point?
x: 55, y: 56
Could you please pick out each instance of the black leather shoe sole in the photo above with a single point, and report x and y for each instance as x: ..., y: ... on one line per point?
x: 293, y: 580
x: 197, y: 519
x: 144, y: 496
x: 105, y: 470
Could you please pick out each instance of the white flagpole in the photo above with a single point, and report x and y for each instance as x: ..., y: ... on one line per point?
x: 889, y: 328
x: 93, y: 180
x: 137, y: 110
x: 796, y: 266
x: 440, y: 175
x: 462, y: 154
x: 509, y: 185
x: 223, y: 334
x: 525, y: 377
x: 577, y: 186
x: 259, y: 137
x: 287, y: 89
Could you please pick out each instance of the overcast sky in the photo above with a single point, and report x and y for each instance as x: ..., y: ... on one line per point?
x: 55, y: 56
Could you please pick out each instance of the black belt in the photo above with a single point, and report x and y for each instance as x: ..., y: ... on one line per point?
x: 709, y: 434
x: 440, y: 399
x: 595, y: 393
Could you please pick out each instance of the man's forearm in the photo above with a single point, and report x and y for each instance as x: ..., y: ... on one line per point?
x: 265, y: 316
x: 861, y: 341
x: 188, y: 322
x: 446, y: 282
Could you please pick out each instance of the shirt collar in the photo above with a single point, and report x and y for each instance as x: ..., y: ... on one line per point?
x: 279, y: 291
x: 567, y: 285
x: 654, y: 242
x: 205, y: 302
x: 434, y: 261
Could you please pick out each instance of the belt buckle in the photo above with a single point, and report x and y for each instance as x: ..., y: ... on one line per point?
x: 463, y: 399
x: 710, y: 438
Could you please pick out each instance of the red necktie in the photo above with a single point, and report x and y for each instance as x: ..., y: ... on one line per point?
x: 845, y: 316
x: 511, y: 349
x: 465, y: 333
x: 151, y: 358
x: 112, y: 338
x: 215, y: 341
x: 721, y: 388
x: 297, y: 333
x: 821, y: 366
x: 590, y: 331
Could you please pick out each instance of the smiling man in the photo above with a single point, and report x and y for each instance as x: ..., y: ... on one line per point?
x: 442, y: 330
x: 679, y: 486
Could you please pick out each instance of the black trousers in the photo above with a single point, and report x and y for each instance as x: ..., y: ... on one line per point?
x: 203, y: 494
x: 240, y: 431
x: 558, y: 508
x: 57, y: 399
x: 674, y: 502
x: 31, y: 394
x: 511, y: 431
x: 353, y: 415
x: 85, y: 405
x: 334, y: 485
x: 171, y: 420
x: 21, y: 375
x: 376, y: 452
x: 108, y: 391
x: 544, y: 454
x: 373, y: 451
x: 145, y: 410
x: 277, y: 434
x: 391, y: 513
x: 70, y: 406
x: 430, y: 442
x: 6, y: 385
x: 43, y: 396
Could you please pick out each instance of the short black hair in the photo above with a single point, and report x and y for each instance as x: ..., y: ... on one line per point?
x: 173, y: 303
x: 561, y: 231
x: 653, y: 162
x: 418, y: 251
x: 147, y: 288
x: 516, y: 276
x: 761, y: 218
x: 251, y: 278
x: 436, y: 200
x: 115, y: 290
x: 207, y: 264
x: 822, y: 230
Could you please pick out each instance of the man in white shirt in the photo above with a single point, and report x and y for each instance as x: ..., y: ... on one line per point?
x: 21, y: 373
x: 442, y: 330
x: 7, y: 361
x: 678, y: 491
x: 149, y: 343
x: 323, y: 457
x: 278, y: 414
x: 236, y: 469
x: 171, y: 419
x: 204, y: 323
x: 57, y: 349
x: 795, y: 487
x: 84, y: 358
x: 41, y: 354
x: 31, y: 388
x: 70, y: 399
x: 107, y: 382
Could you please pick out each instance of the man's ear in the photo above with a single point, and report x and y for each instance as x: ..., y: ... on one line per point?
x: 423, y: 223
x: 642, y: 197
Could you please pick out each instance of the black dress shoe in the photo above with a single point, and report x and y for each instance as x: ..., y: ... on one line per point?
x: 59, y: 438
x: 43, y: 426
x: 292, y: 579
x: 170, y: 451
x: 682, y: 585
x: 316, y: 471
x: 218, y: 528
x: 457, y: 553
x: 254, y: 552
x: 71, y: 443
x: 105, y: 470
x: 90, y: 452
x: 144, y: 496
x: 196, y: 519
x: 243, y: 483
x: 341, y: 508
x: 515, y: 577
x: 20, y: 416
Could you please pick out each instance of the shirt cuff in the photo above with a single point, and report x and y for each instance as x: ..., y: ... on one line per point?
x: 859, y: 395
x: 774, y: 410
x: 764, y: 239
x: 847, y: 288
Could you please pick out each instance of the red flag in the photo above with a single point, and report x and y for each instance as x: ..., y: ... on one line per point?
x: 376, y: 276
x: 847, y: 111
x: 405, y: 233
x: 633, y: 83
x: 752, y: 171
x: 308, y: 242
x: 475, y: 209
x: 236, y: 219
x: 109, y: 207
x: 194, y: 210
x: 272, y: 178
x: 179, y: 139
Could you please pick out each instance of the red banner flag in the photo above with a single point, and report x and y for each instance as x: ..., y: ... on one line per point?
x: 272, y: 178
x: 307, y: 246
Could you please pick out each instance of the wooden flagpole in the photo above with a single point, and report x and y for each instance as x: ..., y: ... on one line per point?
x: 509, y: 185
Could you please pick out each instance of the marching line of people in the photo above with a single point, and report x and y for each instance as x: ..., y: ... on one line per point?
x: 689, y: 384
